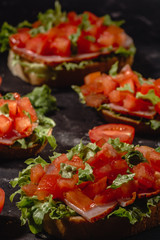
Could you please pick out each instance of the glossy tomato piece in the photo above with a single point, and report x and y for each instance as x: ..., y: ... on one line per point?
x: 19, y: 39
x: 145, y: 175
x: 37, y: 173
x: 95, y: 100
x: 2, y: 199
x: 146, y: 87
x: 12, y: 104
x: 106, y: 39
x: 92, y: 189
x: 29, y: 189
x: 124, y: 132
x: 157, y: 107
x: 108, y: 84
x: 154, y: 158
x: 86, y: 46
x: 90, y: 78
x: 5, y: 125
x: 74, y: 18
x: 60, y: 46
x: 117, y: 96
x: 25, y: 107
x: 23, y: 125
x: 126, y: 190
x: 129, y: 83
x: 157, y: 87
x: 37, y: 44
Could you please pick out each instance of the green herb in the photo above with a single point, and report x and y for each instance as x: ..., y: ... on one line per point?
x: 142, y: 80
x: 8, y: 96
x: 154, y: 124
x: 4, y: 110
x: 67, y: 171
x: 120, y: 146
x: 151, y: 96
x: 77, y: 89
x: 85, y: 174
x: 90, y: 38
x: 72, y: 66
x: 85, y: 24
x: 134, y: 157
x: 126, y: 87
x: 28, y: 115
x: 108, y: 21
x: 121, y: 179
x: 6, y: 31
x: 24, y: 24
x: 113, y: 70
x: 42, y: 100
x: 83, y: 151
x: 158, y: 149
x: 74, y: 38
x: 126, y: 52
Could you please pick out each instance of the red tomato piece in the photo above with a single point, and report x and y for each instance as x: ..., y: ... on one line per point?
x: 117, y: 96
x: 29, y: 189
x: 154, y: 158
x: 146, y: 87
x: 90, y: 78
x: 23, y: 125
x: 95, y: 100
x: 92, y: 189
x: 24, y: 107
x: 19, y: 39
x: 157, y: 87
x: 37, y: 44
x: 124, y: 132
x: 5, y: 125
x: 145, y: 175
x: 126, y: 190
x: 60, y: 46
x: 86, y: 46
x: 157, y: 107
x: 2, y: 199
x: 37, y: 173
x: 106, y: 39
x: 128, y: 82
x: 130, y: 103
x: 109, y: 84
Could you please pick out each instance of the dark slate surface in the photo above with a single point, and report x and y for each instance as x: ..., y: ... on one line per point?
x: 73, y: 120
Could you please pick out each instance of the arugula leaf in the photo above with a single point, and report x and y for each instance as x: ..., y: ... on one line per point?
x: 42, y: 100
x: 113, y: 70
x: 151, y: 96
x: 108, y: 21
x: 126, y: 87
x: 77, y: 89
x: 4, y: 110
x: 121, y: 179
x: 6, y: 31
x: 134, y: 157
x: 48, y: 19
x: 120, y: 146
x: 126, y: 52
x: 85, y: 174
x: 67, y: 171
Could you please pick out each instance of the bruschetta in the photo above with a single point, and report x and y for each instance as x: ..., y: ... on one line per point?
x: 23, y: 131
x: 125, y: 97
x: 91, y: 191
x: 61, y: 48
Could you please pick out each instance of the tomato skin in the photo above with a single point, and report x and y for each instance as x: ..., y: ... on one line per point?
x: 5, y: 125
x: 25, y: 106
x: 29, y: 189
x: 2, y: 199
x: 157, y: 87
x: 19, y: 39
x: 157, y: 107
x: 154, y: 159
x: 89, y: 78
x: 124, y: 132
x: 145, y: 88
x: 37, y: 173
x: 145, y: 175
x: 23, y: 125
x: 95, y: 100
x: 60, y: 46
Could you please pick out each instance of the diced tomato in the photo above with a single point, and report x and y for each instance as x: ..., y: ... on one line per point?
x: 124, y: 132
x: 36, y: 24
x: 154, y: 158
x: 109, y: 195
x: 130, y: 103
x: 89, y: 78
x: 157, y: 87
x: 60, y: 46
x: 24, y: 107
x: 129, y: 83
x: 19, y: 39
x: 117, y: 96
x: 109, y: 84
x: 95, y: 100
x: 86, y: 46
x: 37, y: 44
x: 0, y: 81
x: 92, y: 17
x: 126, y: 190
x: 145, y: 150
x: 61, y: 159
x: 5, y: 125
x: 76, y: 162
x: 91, y: 190
x: 47, y: 186
x: 79, y: 199
x: 145, y: 175
x: 2, y: 199
x: 74, y: 18
x: 66, y: 184
x: 37, y: 173
x: 146, y: 87
x: 157, y: 107
x: 106, y: 39
x: 85, y: 90
x: 16, y: 96
x: 29, y: 189
x: 23, y: 125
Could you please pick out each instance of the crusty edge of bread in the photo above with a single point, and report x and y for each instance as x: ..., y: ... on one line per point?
x: 65, y: 78
x: 140, y: 126
x: 77, y: 228
x: 10, y: 152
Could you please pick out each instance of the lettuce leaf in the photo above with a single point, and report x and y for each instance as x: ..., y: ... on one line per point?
x: 121, y: 179
x: 77, y: 89
x: 120, y: 146
x: 108, y: 21
x: 6, y: 31
x: 114, y: 69
x: 151, y: 96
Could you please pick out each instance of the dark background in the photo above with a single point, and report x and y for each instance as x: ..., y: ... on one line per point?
x: 73, y: 120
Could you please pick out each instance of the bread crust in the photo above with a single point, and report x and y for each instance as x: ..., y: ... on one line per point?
x: 10, y: 152
x: 65, y: 78
x: 77, y: 228
x: 140, y: 127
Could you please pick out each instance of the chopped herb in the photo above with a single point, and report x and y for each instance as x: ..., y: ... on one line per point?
x: 85, y: 174
x: 151, y: 96
x: 4, y: 110
x: 121, y: 179
x: 67, y: 171
x: 121, y: 146
x: 90, y: 38
x: 108, y: 21
x: 114, y: 69
x: 126, y: 87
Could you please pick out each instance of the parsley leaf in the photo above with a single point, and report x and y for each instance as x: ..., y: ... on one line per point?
x: 121, y: 179
x: 85, y: 174
x: 108, y: 21
x: 120, y: 146
x: 67, y: 171
x: 113, y: 70
x: 4, y: 110
x: 151, y: 96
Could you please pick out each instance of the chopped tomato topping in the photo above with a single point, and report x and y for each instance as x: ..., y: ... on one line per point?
x: 2, y: 199
x: 37, y: 173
